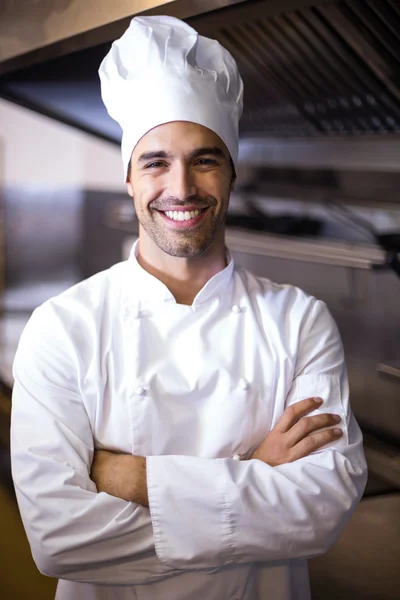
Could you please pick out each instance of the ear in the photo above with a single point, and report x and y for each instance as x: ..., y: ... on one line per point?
x: 129, y: 188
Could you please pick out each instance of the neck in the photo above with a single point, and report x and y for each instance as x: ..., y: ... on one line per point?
x: 184, y: 277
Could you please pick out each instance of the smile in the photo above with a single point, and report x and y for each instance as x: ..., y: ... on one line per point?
x: 183, y: 218
x: 180, y: 215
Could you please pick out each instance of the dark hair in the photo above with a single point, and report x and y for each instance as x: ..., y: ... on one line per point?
x: 234, y: 176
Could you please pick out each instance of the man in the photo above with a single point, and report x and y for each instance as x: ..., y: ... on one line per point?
x: 168, y: 440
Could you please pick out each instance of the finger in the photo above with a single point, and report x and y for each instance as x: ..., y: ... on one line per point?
x: 308, y: 425
x: 294, y: 412
x: 314, y: 442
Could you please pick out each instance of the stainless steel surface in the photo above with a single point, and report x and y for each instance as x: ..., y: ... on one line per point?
x: 362, y: 153
x: 383, y: 460
x: 54, y: 20
x: 339, y: 254
x: 391, y: 370
x: 43, y: 233
x: 329, y: 69
x: 310, y: 69
x: 381, y: 20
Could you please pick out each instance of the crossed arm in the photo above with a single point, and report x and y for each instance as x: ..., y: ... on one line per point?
x: 295, y: 436
x: 291, y: 501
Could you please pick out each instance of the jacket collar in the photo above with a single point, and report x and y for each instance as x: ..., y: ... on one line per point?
x: 147, y: 287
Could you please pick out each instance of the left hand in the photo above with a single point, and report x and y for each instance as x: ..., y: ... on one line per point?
x: 120, y: 475
x: 296, y: 435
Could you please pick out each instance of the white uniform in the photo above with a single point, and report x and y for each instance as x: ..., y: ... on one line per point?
x: 115, y: 363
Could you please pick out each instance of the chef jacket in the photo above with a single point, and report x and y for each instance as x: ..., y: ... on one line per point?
x: 116, y: 363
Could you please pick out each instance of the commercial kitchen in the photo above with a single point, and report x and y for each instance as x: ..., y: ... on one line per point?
x: 316, y: 205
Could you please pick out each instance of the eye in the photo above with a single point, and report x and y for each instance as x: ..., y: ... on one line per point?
x: 157, y: 164
x: 207, y: 162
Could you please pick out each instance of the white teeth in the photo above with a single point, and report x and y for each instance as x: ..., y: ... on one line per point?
x: 181, y: 215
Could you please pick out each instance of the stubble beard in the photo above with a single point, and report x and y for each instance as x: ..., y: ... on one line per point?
x: 184, y: 244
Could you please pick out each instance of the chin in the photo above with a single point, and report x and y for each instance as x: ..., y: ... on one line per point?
x: 185, y: 249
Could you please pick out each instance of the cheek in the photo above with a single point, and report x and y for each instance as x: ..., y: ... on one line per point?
x: 216, y: 186
x: 144, y: 193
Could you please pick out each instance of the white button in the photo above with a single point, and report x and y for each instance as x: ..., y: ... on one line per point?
x: 243, y: 384
x: 236, y: 309
x: 236, y: 457
x: 140, y: 391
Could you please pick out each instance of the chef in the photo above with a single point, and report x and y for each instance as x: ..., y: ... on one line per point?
x: 181, y: 429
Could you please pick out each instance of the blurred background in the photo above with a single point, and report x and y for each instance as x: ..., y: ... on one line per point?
x: 317, y: 205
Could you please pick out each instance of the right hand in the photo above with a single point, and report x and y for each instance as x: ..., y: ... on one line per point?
x: 296, y: 436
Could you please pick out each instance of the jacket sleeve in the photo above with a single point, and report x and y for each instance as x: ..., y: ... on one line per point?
x: 208, y: 513
x: 74, y: 532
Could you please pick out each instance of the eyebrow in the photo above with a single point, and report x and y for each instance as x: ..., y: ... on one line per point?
x: 212, y: 150
x: 154, y: 155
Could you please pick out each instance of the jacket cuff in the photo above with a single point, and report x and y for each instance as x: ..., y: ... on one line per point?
x: 190, y: 511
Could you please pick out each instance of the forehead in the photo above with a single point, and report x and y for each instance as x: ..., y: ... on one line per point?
x: 179, y: 138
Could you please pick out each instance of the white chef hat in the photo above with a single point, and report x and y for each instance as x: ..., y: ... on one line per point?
x: 162, y: 70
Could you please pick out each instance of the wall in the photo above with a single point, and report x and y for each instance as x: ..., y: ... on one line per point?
x: 39, y: 150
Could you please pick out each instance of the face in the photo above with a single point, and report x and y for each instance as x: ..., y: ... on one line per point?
x: 180, y: 180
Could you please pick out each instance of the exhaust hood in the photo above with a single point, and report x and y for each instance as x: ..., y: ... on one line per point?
x: 312, y: 70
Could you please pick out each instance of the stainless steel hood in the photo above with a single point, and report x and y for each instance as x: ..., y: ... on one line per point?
x: 331, y: 69
x: 311, y: 69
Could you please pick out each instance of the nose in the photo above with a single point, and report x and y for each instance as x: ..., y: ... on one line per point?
x: 181, y: 183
